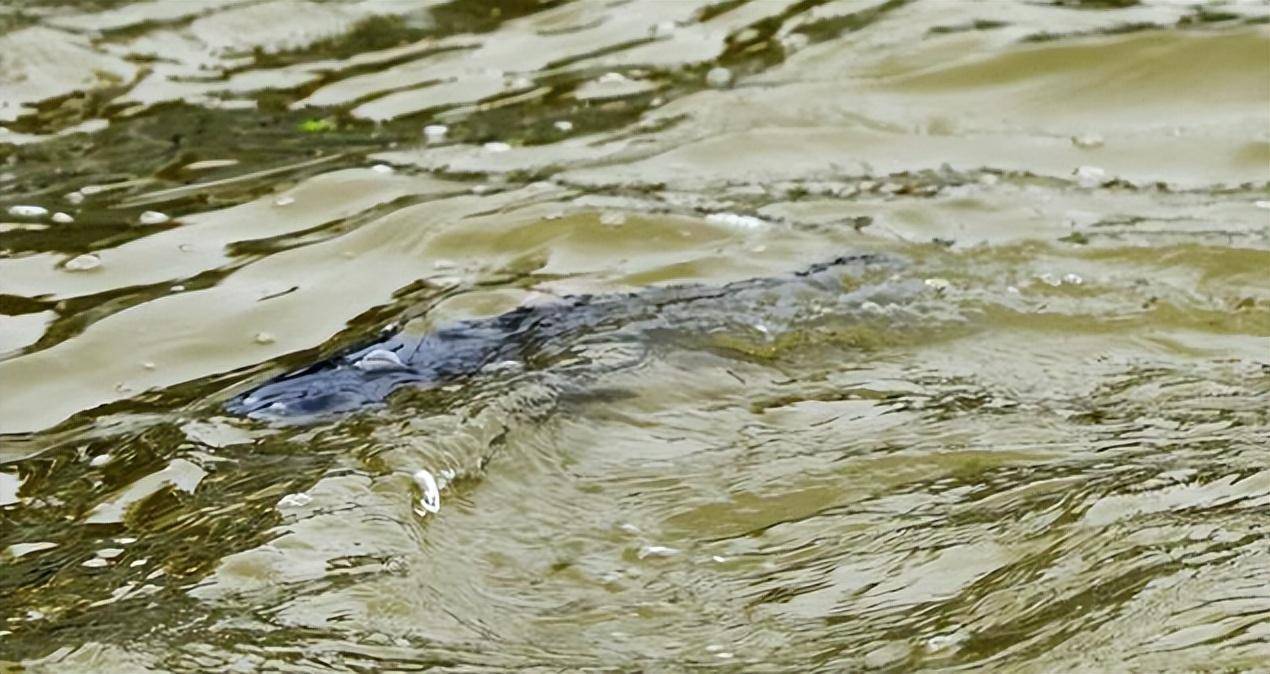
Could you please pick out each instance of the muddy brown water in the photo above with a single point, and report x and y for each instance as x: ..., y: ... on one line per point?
x: 1054, y: 456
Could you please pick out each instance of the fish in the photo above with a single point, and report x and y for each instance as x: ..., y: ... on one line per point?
x: 367, y: 374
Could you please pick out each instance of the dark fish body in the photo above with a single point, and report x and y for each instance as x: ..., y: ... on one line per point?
x: 368, y: 375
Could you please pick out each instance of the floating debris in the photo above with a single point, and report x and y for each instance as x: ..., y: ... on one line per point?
x: 298, y: 500
x: 435, y: 133
x: 265, y: 338
x: 657, y: 551
x: 430, y: 494
x: 153, y: 218
x: 382, y: 168
x: 1087, y: 141
x: 719, y: 77
x: 284, y: 200
x: 28, y: 211
x: 497, y: 147
x: 63, y: 218
x: 85, y: 262
x: 316, y: 125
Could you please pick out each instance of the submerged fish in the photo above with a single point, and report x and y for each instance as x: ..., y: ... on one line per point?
x: 367, y: 375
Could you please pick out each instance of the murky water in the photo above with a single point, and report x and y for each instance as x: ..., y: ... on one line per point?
x: 1032, y: 437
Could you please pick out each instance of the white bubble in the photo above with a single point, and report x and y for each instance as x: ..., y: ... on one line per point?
x: 265, y: 338
x: 284, y: 200
x: 74, y: 198
x: 109, y: 553
x: 298, y: 500
x: 612, y: 78
x: 563, y: 125
x: 100, y: 460
x: 381, y: 168
x: 940, y: 642
x: 1073, y: 279
x: 153, y: 218
x: 96, y: 563
x: 1090, y: 176
x: 1262, y: 204
x: 657, y: 551
x: 719, y: 77
x: 939, y: 285
x: 85, y: 262
x: 138, y: 562
x: 28, y: 211
x: 736, y: 220
x: 430, y: 494
x: 663, y: 28
x: 380, y: 359
x: 63, y: 218
x: 435, y: 132
x: 613, y: 219
x: 1087, y: 141
x: 497, y: 147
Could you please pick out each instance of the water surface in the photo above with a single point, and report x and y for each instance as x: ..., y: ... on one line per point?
x: 1047, y: 453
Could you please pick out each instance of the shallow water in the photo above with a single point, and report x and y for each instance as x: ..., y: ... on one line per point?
x: 1038, y: 445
